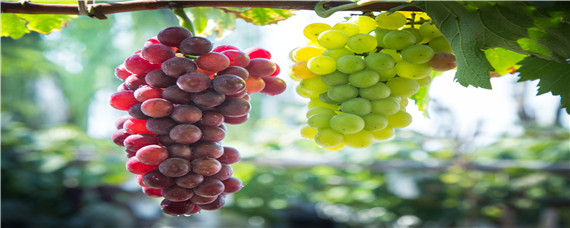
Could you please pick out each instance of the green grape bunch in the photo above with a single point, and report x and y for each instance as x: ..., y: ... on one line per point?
x: 360, y: 73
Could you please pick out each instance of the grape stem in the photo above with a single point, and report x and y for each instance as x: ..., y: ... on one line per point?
x: 184, y: 20
x: 324, y: 13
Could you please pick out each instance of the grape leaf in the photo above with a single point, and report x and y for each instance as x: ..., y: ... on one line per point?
x: 13, y: 26
x: 16, y: 25
x: 522, y: 27
x: 209, y: 20
x: 45, y: 23
x: 554, y: 77
x: 503, y: 60
x: 260, y: 16
x: 467, y: 36
x: 421, y: 98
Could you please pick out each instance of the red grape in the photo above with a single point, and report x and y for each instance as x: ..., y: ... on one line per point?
x: 172, y: 36
x: 237, y: 57
x: 189, y: 180
x: 195, y: 46
x: 157, y: 53
x: 136, y: 64
x: 213, y: 62
x: 133, y: 165
x: 123, y: 100
x: 261, y: 67
x: 273, y: 86
x: 121, y: 72
x: 194, y: 82
x: 255, y: 53
x: 152, y: 154
x: 224, y: 47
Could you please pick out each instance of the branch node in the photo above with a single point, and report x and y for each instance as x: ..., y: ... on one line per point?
x: 94, y: 12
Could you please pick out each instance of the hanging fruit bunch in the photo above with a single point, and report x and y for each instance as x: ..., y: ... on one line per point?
x: 360, y: 73
x: 179, y: 91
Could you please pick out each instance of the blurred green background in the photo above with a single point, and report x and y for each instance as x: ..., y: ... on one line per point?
x: 60, y: 168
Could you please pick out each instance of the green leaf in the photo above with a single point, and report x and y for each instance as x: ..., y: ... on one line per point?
x: 199, y: 18
x: 17, y: 25
x: 209, y: 20
x: 542, y: 30
x: 554, y: 77
x: 503, y: 60
x: 421, y: 98
x: 467, y: 35
x: 12, y: 26
x: 45, y: 23
x: 260, y: 16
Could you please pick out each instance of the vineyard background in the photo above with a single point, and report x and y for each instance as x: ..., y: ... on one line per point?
x: 484, y: 158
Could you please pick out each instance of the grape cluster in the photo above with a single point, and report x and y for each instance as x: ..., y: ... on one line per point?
x: 179, y: 91
x: 359, y: 74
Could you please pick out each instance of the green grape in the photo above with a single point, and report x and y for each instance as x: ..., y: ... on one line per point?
x: 313, y: 30
x: 387, y: 75
x: 363, y: 78
x: 329, y: 138
x: 342, y: 145
x: 361, y: 139
x: 387, y: 20
x: 347, y: 123
x: 383, y: 134
x: 325, y: 98
x: 358, y: 106
x: 374, y: 122
x: 385, y: 107
x: 423, y: 82
x: 347, y: 27
x: 417, y: 54
x: 379, y: 34
x: 319, y: 110
x: 375, y: 92
x: 316, y: 102
x: 305, y: 93
x: 306, y: 53
x: 308, y: 132
x: 365, y: 23
x: 379, y: 62
x: 416, y: 33
x: 322, y: 65
x: 399, y: 120
x: 335, y: 78
x: 314, y: 85
x: 403, y: 87
x: 332, y: 39
x: 429, y: 31
x: 337, y: 53
x: 342, y: 93
x: 319, y: 121
x: 404, y: 102
x: 440, y: 44
x: 412, y: 71
x: 396, y: 99
x: 392, y: 52
x: 398, y: 39
x: 361, y: 43
x: 350, y: 63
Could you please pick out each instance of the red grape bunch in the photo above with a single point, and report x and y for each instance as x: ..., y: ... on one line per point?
x: 179, y: 91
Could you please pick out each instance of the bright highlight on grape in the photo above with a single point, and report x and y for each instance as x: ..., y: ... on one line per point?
x: 358, y: 75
